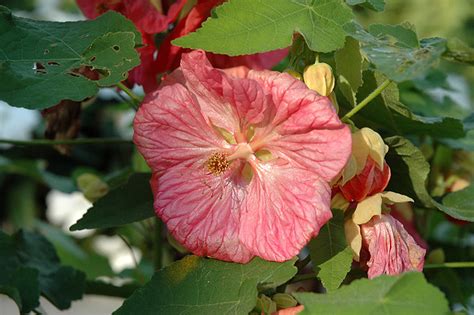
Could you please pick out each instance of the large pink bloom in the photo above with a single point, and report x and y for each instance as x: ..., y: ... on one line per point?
x: 241, y: 159
x: 391, y: 248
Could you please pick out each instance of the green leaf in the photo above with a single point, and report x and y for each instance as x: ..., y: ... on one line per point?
x: 126, y: 204
x: 42, y: 68
x: 409, y: 174
x: 376, y: 5
x: 387, y: 113
x: 71, y: 254
x: 459, y: 51
x: 30, y: 265
x: 460, y: 204
x: 25, y: 281
x: 409, y: 170
x: 197, y: 285
x: 349, y: 69
x: 252, y: 26
x: 330, y: 254
x: 395, y: 50
x: 405, y: 294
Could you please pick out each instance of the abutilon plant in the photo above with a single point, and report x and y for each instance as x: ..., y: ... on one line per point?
x: 236, y: 157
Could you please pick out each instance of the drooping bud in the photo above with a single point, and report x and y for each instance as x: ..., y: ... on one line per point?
x: 92, y: 186
x: 319, y: 77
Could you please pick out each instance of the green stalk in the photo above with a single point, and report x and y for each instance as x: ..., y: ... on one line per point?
x: 457, y: 264
x: 157, y: 245
x: 366, y: 101
x: 67, y: 141
x: 134, y: 97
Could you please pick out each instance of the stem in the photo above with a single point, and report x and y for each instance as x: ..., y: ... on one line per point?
x: 102, y: 288
x: 157, y: 245
x: 366, y: 101
x: 67, y: 141
x: 457, y: 264
x: 136, y: 100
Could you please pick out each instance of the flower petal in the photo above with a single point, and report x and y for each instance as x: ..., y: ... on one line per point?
x: 284, y: 208
x: 392, y: 249
x: 202, y: 212
x: 228, y: 102
x: 170, y: 129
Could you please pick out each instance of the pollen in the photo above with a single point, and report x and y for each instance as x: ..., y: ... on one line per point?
x: 217, y: 164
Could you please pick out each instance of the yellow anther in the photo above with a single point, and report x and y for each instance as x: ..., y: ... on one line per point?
x: 217, y: 164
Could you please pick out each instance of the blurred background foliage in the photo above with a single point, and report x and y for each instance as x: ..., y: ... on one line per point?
x: 39, y: 191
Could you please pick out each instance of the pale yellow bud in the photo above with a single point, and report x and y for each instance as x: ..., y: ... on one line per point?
x: 365, y: 143
x: 372, y: 205
x: 92, y: 186
x: 294, y: 74
x: 318, y: 77
x: 353, y: 238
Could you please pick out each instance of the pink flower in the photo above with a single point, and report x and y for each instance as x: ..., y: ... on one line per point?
x: 391, y: 248
x: 241, y: 159
x: 147, y: 15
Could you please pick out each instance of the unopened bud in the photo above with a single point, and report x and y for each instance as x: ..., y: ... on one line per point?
x: 318, y: 77
x: 294, y: 74
x: 265, y: 305
x: 284, y: 300
x: 92, y: 186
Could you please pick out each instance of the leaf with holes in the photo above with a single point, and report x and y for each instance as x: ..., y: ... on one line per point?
x: 55, y: 61
x: 330, y: 254
x: 252, y: 26
x: 395, y: 51
x: 196, y: 285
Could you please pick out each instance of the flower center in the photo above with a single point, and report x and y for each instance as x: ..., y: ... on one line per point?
x: 217, y: 164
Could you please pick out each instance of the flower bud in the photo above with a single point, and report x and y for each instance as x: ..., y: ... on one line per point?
x: 294, y: 74
x: 318, y: 77
x: 284, y: 300
x: 92, y: 186
x: 366, y: 172
x: 265, y: 305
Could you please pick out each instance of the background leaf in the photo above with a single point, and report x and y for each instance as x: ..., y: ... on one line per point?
x: 197, y: 285
x: 26, y: 257
x: 251, y: 26
x: 409, y: 175
x: 349, y: 69
x: 376, y: 5
x: 128, y: 203
x: 388, y: 114
x: 330, y: 254
x: 43, y: 68
x: 395, y: 51
x: 405, y: 294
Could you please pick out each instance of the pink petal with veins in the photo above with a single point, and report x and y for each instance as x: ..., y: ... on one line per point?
x: 218, y: 196
x: 392, y: 249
